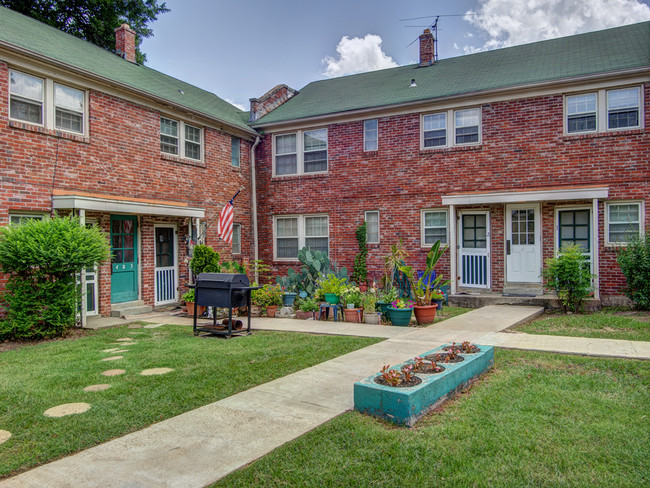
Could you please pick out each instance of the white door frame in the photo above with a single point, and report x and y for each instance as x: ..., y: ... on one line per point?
x: 471, y: 252
x: 173, y: 226
x: 538, y: 238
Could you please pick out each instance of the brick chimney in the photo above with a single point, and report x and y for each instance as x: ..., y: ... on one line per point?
x: 427, y: 48
x: 271, y: 100
x: 125, y: 42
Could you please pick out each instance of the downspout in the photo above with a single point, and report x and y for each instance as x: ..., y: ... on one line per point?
x: 256, y: 251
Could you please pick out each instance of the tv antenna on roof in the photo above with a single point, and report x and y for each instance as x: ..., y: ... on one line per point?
x: 434, y: 29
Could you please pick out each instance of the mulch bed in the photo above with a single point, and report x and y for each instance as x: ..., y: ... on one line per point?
x: 70, y: 334
x: 428, y: 369
x: 414, y: 381
x: 443, y: 357
x: 472, y: 350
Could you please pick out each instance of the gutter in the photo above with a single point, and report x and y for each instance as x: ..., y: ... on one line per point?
x: 256, y: 250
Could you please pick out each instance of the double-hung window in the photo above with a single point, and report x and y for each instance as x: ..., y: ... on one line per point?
x: 451, y: 128
x: 372, y: 227
x: 623, y: 221
x: 623, y: 107
x: 44, y: 102
x: 370, y: 135
x: 434, y: 227
x: 189, y: 146
x: 301, y: 152
x: 604, y: 110
x: 581, y: 113
x: 293, y: 232
x: 466, y: 124
x: 435, y: 130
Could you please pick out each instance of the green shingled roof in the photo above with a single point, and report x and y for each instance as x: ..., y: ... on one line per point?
x: 24, y: 32
x: 603, y: 51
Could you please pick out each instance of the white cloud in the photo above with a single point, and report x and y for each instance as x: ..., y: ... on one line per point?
x: 512, y: 22
x: 357, y: 55
x: 238, y: 105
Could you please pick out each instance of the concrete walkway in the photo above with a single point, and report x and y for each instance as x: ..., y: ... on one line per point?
x: 201, y: 446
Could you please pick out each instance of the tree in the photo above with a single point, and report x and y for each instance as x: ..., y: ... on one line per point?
x: 634, y: 260
x: 94, y: 20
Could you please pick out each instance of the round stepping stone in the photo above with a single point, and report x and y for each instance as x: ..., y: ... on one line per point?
x: 101, y: 387
x: 124, y: 339
x: 66, y: 409
x: 155, y: 371
x: 113, y: 372
x: 113, y: 358
x: 4, y: 436
x: 153, y: 326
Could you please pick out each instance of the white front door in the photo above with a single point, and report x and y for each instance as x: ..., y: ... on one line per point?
x: 523, y: 248
x: 166, y: 270
x: 474, y: 249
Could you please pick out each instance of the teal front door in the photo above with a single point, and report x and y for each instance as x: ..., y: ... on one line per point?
x: 124, y: 246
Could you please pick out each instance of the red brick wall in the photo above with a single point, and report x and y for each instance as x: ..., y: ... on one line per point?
x: 121, y: 156
x: 523, y: 147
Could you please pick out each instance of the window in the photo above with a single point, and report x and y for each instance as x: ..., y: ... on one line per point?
x: 170, y: 131
x: 235, y: 154
x: 372, y: 227
x: 434, y: 227
x: 581, y: 113
x: 435, y: 130
x: 466, y: 128
x: 236, y: 238
x: 623, y: 221
x: 300, y: 152
x: 370, y: 135
x: 44, y: 102
x: 26, y: 98
x: 575, y: 228
x: 623, y: 108
x: 20, y: 218
x: 292, y: 233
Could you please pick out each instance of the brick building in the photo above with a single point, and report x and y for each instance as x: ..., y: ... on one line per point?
x: 149, y: 158
x: 506, y: 155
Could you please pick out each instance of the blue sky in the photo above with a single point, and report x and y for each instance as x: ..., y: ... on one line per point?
x: 239, y: 49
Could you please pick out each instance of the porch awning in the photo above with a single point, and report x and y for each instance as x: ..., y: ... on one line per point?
x: 113, y: 204
x: 538, y: 195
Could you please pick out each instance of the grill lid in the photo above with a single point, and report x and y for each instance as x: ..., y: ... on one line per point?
x: 233, y: 279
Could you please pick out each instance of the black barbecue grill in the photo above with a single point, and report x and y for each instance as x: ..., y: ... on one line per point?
x: 223, y: 290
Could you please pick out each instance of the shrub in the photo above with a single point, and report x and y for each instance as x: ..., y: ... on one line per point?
x: 569, y: 275
x: 204, y: 260
x: 360, y: 272
x: 42, y: 258
x: 634, y: 261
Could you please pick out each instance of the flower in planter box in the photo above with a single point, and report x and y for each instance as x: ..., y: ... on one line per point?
x: 402, y: 303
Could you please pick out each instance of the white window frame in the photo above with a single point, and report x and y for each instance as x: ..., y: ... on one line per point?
x: 180, y: 138
x: 602, y: 110
x: 366, y: 132
x: 301, y: 233
x: 424, y: 211
x: 566, y: 113
x: 300, y: 152
x: 365, y: 218
x: 236, y: 230
x: 613, y: 203
x: 25, y: 215
x: 450, y: 128
x: 48, y: 108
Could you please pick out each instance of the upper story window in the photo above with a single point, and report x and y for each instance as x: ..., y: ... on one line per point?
x: 436, y: 131
x: 42, y: 101
x: 300, y: 152
x: 235, y: 152
x: 623, y: 221
x: 236, y: 238
x: 434, y: 227
x: 603, y: 110
x: 370, y: 135
x: 191, y: 144
x: 293, y: 232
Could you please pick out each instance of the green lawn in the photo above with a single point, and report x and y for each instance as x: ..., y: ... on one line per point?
x: 35, y: 378
x: 538, y: 419
x: 606, y: 324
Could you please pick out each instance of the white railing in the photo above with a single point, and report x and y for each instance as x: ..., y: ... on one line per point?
x: 165, y: 285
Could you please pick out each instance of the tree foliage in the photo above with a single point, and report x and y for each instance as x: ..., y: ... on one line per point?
x: 42, y: 258
x: 634, y: 260
x: 94, y: 20
x: 569, y: 275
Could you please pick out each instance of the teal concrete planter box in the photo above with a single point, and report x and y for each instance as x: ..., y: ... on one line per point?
x: 406, y: 405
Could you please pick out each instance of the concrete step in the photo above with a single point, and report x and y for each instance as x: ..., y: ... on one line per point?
x: 135, y: 307
x: 523, y: 291
x: 478, y: 300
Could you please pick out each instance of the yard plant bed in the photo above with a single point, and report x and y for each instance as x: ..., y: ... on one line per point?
x: 404, y: 384
x: 445, y: 357
x: 536, y: 419
x: 36, y: 378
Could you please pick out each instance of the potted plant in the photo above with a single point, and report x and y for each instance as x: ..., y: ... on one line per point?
x: 257, y: 301
x: 424, y: 287
x: 351, y: 297
x: 331, y: 287
x: 369, y: 304
x: 400, y: 311
x: 289, y: 285
x: 385, y: 298
x: 307, y: 308
x: 188, y: 298
x: 271, y: 298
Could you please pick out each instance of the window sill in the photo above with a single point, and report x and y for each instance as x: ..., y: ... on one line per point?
x: 50, y: 132
x: 596, y: 135
x: 178, y: 159
x: 302, y: 176
x: 437, y: 150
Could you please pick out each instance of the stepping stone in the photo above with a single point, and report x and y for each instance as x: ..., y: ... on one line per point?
x: 125, y: 344
x: 134, y: 326
x: 113, y: 358
x: 111, y: 350
x: 155, y: 371
x: 120, y: 350
x: 124, y: 339
x: 101, y: 387
x: 153, y: 326
x: 113, y: 372
x: 4, y: 436
x: 66, y: 409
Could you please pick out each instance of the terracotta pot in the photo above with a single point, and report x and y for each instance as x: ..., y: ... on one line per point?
x: 353, y: 315
x: 200, y: 309
x: 425, y: 315
x: 270, y: 311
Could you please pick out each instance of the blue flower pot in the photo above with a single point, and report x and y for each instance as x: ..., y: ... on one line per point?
x: 288, y: 299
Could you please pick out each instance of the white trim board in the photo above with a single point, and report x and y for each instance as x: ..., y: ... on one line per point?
x: 526, y: 196
x: 124, y: 206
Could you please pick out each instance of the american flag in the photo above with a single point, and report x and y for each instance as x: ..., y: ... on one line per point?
x: 224, y: 226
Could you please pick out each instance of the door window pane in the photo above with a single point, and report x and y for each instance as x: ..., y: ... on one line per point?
x: 575, y: 229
